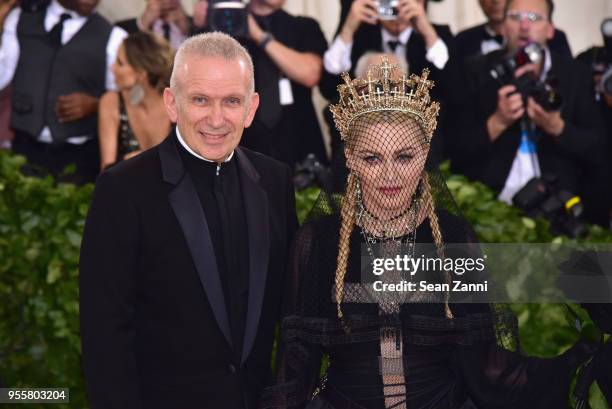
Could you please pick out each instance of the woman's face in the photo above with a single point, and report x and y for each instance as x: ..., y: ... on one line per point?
x: 125, y: 75
x: 388, y: 158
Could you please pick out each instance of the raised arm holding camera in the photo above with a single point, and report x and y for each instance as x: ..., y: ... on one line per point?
x: 287, y: 52
x: 529, y: 113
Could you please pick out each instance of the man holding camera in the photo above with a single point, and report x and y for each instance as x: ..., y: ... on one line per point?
x: 287, y: 52
x: 397, y: 27
x: 506, y: 133
x: 599, y: 61
x: 489, y: 36
x: 166, y: 18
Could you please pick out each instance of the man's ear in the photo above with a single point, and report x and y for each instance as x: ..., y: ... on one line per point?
x: 551, y: 31
x: 170, y: 103
x: 254, y: 103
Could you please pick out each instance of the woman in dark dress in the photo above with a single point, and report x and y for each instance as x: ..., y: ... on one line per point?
x: 389, y: 349
x: 134, y: 118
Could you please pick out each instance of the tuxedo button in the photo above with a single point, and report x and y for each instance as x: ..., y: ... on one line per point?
x: 231, y: 368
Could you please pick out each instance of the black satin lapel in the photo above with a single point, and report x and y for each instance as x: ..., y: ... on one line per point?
x: 256, y: 209
x: 186, y: 205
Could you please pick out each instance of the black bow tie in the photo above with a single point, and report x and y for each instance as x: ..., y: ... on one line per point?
x: 499, y: 39
x: 393, y: 44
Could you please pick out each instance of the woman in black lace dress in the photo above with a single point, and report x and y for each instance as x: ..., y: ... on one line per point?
x: 134, y: 118
x: 414, y: 350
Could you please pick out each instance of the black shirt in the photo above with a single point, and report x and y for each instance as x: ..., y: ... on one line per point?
x: 298, y: 132
x: 218, y: 188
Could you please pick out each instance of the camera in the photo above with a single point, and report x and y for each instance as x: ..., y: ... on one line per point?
x: 387, y: 9
x: 541, y: 197
x: 229, y: 17
x: 311, y: 172
x: 602, y: 63
x: 528, y: 85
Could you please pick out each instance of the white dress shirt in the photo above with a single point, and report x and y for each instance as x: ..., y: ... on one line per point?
x: 337, y: 58
x: 525, y: 165
x: 176, y: 35
x: 488, y: 45
x: 9, y: 50
x: 194, y: 153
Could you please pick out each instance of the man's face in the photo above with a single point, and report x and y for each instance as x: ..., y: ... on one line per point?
x: 527, y: 22
x: 395, y: 27
x: 212, y: 104
x: 493, y: 9
x: 83, y: 7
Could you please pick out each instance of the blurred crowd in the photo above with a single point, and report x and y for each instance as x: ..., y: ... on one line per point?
x: 518, y: 111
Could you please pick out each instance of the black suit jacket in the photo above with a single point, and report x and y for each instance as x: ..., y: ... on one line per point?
x: 469, y: 41
x: 154, y: 325
x: 577, y: 150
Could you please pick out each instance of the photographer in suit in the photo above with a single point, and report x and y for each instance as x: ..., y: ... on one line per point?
x: 489, y: 36
x: 166, y: 18
x: 185, y: 250
x: 411, y: 37
x: 505, y: 139
x: 599, y: 61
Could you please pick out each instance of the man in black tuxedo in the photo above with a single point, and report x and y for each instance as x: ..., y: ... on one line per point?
x: 489, y: 144
x: 185, y: 249
x: 487, y: 37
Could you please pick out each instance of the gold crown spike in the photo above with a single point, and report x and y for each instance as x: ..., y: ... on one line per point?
x: 386, y: 89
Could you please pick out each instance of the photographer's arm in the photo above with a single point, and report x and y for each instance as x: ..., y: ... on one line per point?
x: 9, y: 45
x: 302, y: 67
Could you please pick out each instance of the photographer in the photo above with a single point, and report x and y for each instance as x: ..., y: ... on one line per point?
x: 287, y: 52
x: 409, y: 34
x: 505, y: 138
x: 599, y: 61
x: 487, y: 37
x: 166, y: 18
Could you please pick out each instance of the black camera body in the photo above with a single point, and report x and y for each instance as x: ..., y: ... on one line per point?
x: 230, y: 17
x: 528, y: 85
x: 311, y: 172
x: 541, y: 197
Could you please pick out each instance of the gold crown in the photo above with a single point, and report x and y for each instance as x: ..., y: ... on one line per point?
x: 385, y: 90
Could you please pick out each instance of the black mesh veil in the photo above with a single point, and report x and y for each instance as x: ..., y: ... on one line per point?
x: 386, y: 349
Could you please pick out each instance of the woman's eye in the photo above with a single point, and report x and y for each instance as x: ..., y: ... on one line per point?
x: 371, y: 159
x: 404, y: 157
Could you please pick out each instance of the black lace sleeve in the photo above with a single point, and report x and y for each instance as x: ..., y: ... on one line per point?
x: 498, y: 378
x: 299, y: 356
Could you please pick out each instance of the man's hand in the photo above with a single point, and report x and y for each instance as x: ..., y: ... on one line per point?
x: 362, y: 11
x: 549, y: 122
x: 413, y: 12
x: 200, y: 14
x: 255, y: 32
x: 75, y: 106
x: 152, y: 12
x: 510, y: 108
x: 177, y: 16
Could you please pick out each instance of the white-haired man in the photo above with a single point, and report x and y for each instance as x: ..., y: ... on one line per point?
x: 185, y: 248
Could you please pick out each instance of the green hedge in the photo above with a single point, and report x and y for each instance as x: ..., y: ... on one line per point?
x: 40, y: 233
